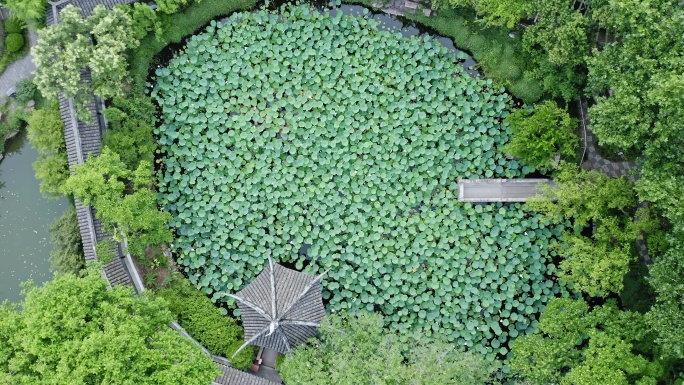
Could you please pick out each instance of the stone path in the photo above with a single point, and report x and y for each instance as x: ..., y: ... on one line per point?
x: 267, y: 369
x: 627, y: 169
x: 594, y: 161
x: 402, y: 7
x: 20, y: 69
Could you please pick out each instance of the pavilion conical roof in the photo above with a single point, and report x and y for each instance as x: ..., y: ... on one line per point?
x: 281, y: 308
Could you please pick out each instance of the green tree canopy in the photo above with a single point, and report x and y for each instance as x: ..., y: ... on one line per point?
x: 579, y: 346
x: 131, y: 124
x: 585, y: 196
x: 357, y: 350
x: 642, y: 72
x: 27, y: 9
x: 65, y: 236
x: 667, y: 315
x: 75, y: 44
x: 106, y: 183
x: 78, y: 331
x: 556, y: 43
x: 539, y: 135
x: 597, y: 264
x: 45, y: 131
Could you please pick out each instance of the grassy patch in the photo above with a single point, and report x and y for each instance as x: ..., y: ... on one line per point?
x: 178, y: 26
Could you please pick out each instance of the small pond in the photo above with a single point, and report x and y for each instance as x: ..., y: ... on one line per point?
x: 25, y: 216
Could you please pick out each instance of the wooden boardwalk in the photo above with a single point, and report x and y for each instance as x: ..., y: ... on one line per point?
x: 500, y: 190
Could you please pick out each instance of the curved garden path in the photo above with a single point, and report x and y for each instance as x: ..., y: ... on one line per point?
x: 20, y: 69
x: 592, y: 158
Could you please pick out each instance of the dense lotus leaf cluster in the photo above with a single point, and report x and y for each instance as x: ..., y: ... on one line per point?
x: 337, y: 145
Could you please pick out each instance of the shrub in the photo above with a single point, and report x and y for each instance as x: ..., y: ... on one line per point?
x: 131, y: 123
x: 14, y: 25
x: 45, y: 133
x: 26, y: 90
x: 27, y: 9
x: 14, y: 42
x: 537, y: 137
x: 357, y: 349
x: 67, y: 253
x: 206, y: 323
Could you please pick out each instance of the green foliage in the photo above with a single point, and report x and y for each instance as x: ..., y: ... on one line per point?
x: 358, y: 350
x: 26, y: 90
x: 585, y: 196
x: 637, y: 294
x: 14, y: 42
x: 206, y: 323
x: 65, y: 49
x: 78, y: 331
x: 538, y: 136
x: 272, y: 155
x: 10, y: 125
x: 131, y: 123
x: 577, y: 346
x: 595, y: 265
x: 14, y: 25
x: 27, y: 10
x: 667, y: 314
x: 498, y: 13
x: 67, y: 253
x: 497, y: 55
x: 102, y: 182
x: 45, y: 131
x: 173, y: 6
x: 557, y: 45
x: 144, y: 20
x: 175, y: 27
x: 52, y: 171
x: 643, y: 115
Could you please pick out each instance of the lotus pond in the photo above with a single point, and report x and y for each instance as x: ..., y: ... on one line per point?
x: 336, y: 145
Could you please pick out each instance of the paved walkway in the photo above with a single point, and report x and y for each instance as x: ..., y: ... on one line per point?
x: 592, y: 158
x: 267, y: 369
x: 402, y: 7
x: 627, y: 169
x: 20, y: 69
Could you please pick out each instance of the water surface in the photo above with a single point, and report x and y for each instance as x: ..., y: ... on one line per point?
x: 25, y: 216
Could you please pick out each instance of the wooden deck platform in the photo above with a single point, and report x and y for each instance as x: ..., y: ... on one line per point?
x: 500, y: 190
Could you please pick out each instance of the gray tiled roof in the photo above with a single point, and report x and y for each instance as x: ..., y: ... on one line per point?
x: 86, y: 7
x: 285, y: 299
x: 81, y: 140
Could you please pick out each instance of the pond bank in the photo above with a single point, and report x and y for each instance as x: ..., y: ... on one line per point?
x: 25, y: 216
